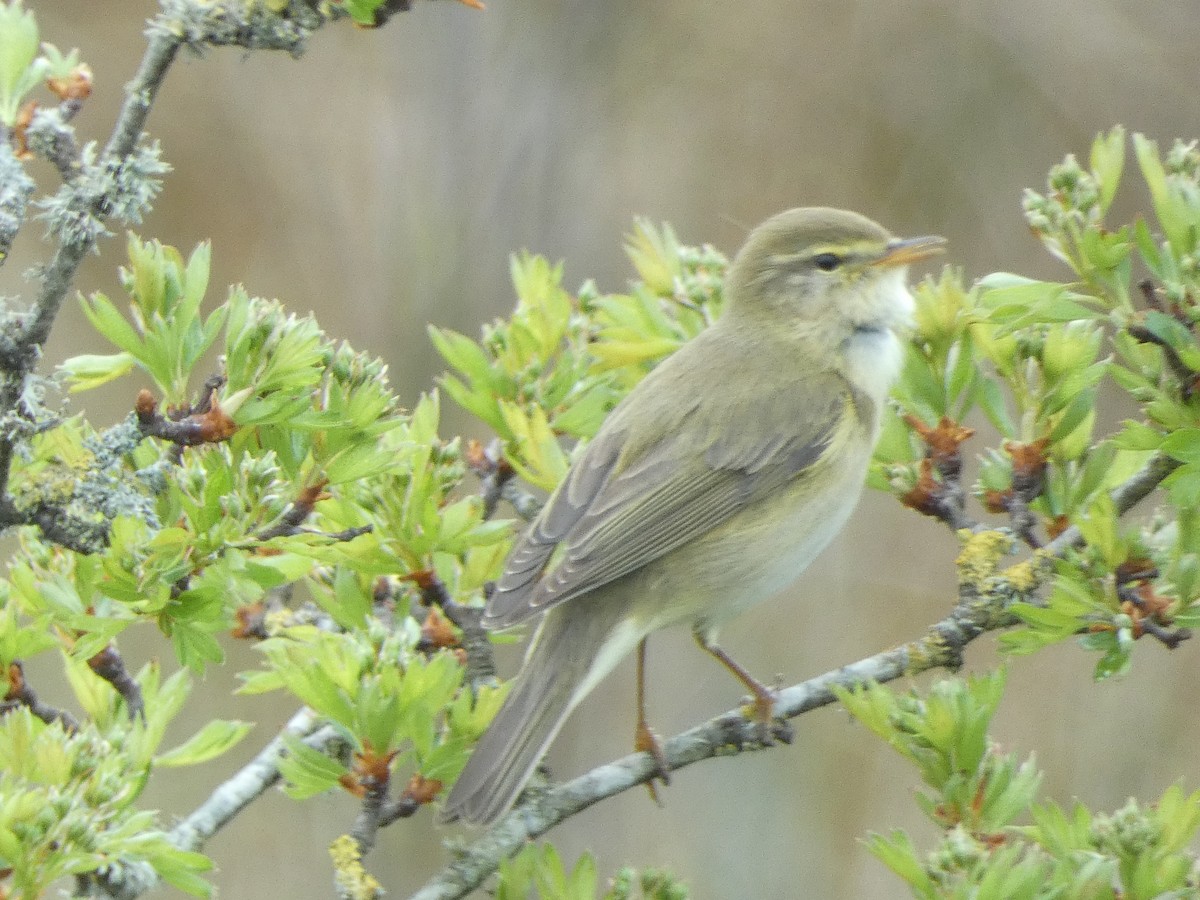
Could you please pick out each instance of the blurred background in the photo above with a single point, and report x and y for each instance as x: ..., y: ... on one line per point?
x: 383, y: 179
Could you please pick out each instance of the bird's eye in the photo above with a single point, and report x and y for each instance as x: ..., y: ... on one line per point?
x: 827, y: 262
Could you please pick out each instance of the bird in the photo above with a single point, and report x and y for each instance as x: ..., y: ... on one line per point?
x: 710, y: 487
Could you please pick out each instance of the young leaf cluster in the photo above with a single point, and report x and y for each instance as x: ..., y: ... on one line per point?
x: 70, y: 792
x: 316, y: 487
x: 977, y: 795
x: 539, y: 872
x: 554, y: 369
x: 1035, y: 359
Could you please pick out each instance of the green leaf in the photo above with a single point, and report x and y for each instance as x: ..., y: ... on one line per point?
x: 195, y: 646
x: 1184, y: 486
x: 896, y: 851
x: 1100, y: 530
x: 208, y: 743
x: 1138, y: 436
x: 463, y: 354
x: 179, y: 869
x: 1107, y: 162
x: 307, y: 772
x: 1183, y: 445
x: 90, y: 370
x: 655, y: 255
x: 20, y: 69
x: 358, y: 462
x: 1172, y: 209
x: 109, y: 322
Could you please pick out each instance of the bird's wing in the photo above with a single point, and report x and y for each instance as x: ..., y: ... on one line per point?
x: 621, y: 507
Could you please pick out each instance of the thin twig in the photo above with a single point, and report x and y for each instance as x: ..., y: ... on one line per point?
x: 110, y: 666
x: 1125, y: 497
x: 21, y: 694
x: 366, y: 824
x: 525, y: 504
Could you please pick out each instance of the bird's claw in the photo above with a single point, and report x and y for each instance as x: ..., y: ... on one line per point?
x: 646, y: 741
x: 760, y: 709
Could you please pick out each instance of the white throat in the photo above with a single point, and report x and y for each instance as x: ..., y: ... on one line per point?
x: 873, y: 354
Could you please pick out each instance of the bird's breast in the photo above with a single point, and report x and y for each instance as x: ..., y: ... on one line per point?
x: 760, y: 550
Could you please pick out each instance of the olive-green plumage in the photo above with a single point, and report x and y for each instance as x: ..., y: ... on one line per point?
x: 712, y: 485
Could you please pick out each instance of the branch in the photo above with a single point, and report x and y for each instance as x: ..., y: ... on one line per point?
x: 252, y: 780
x: 985, y: 595
x: 728, y: 734
x: 110, y: 666
x: 1125, y: 497
x: 222, y: 806
x: 497, y: 481
x: 60, y: 273
x: 57, y: 525
x: 21, y: 694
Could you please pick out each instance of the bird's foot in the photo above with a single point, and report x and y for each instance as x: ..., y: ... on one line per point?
x: 646, y: 741
x: 760, y: 709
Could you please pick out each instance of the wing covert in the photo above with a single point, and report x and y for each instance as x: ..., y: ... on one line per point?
x: 614, y: 515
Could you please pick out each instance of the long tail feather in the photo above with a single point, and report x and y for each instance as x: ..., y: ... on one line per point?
x: 573, y: 650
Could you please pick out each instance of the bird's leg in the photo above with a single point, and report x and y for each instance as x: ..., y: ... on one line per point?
x: 644, y: 739
x: 763, y: 706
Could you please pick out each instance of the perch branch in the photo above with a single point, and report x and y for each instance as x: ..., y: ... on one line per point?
x: 983, y: 606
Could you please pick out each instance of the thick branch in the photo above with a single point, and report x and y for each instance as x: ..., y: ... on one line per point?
x: 250, y: 782
x: 727, y: 734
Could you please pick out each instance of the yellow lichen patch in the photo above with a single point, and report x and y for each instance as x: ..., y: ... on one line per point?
x: 980, y: 555
x: 1025, y: 576
x: 350, y: 877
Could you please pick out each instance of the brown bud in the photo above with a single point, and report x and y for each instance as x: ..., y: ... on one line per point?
x: 76, y: 85
x: 924, y: 495
x: 942, y: 441
x: 436, y: 630
x: 1152, y: 602
x: 16, y: 681
x: 1057, y: 525
x: 20, y: 126
x: 351, y: 783
x: 250, y: 621
x: 422, y: 789
x: 145, y: 406
x: 476, y: 458
x: 370, y: 764
x: 215, y: 425
x: 997, y: 501
x: 1029, y: 460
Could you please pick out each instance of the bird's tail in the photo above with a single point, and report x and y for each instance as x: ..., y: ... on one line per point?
x: 570, y: 654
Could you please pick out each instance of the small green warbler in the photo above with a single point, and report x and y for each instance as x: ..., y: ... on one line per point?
x: 711, y: 486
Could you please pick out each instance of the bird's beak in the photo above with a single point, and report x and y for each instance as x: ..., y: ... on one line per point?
x: 910, y: 250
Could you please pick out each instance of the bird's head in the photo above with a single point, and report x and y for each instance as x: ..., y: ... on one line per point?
x: 828, y: 274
